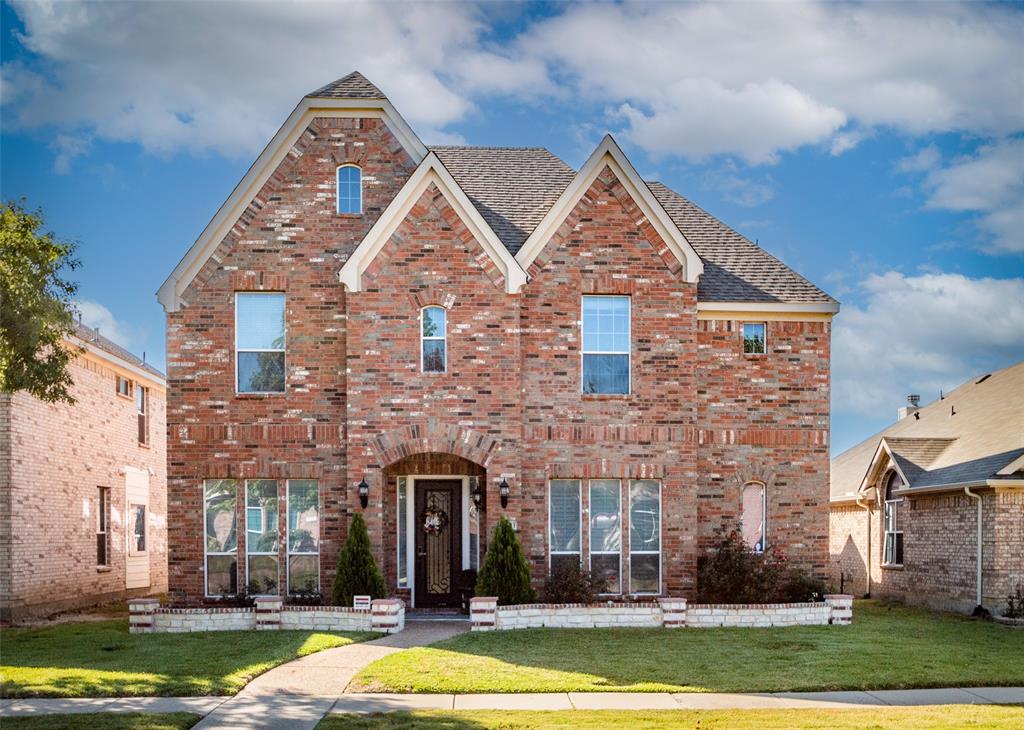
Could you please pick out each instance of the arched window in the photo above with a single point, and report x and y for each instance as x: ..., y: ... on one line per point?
x: 893, y: 545
x: 433, y: 342
x: 350, y: 190
x: 755, y: 507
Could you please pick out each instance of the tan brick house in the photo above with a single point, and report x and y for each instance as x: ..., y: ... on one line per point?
x: 83, y: 487
x: 931, y: 510
x: 440, y: 336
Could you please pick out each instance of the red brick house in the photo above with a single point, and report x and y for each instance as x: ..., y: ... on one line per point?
x: 83, y: 487
x: 440, y: 336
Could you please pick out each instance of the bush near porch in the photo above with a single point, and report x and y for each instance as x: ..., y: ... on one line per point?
x: 886, y: 647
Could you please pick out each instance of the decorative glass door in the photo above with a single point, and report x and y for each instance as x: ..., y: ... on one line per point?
x: 438, y: 541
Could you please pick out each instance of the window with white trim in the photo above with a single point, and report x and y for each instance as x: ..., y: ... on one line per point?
x: 644, y: 536
x: 403, y: 533
x: 124, y: 386
x: 754, y: 338
x: 137, y: 529
x: 259, y: 342
x: 142, y: 409
x: 102, y: 525
x: 303, y: 536
x: 893, y: 544
x: 606, y: 344
x: 755, y: 508
x: 221, y: 537
x: 261, y: 569
x: 350, y: 190
x: 606, y: 533
x: 433, y: 339
x: 564, y: 522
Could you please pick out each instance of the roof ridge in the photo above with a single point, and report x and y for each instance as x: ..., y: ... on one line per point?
x: 484, y: 147
x: 352, y: 85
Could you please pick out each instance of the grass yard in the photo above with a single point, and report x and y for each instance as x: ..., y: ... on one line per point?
x: 887, y: 647
x: 109, y: 721
x: 903, y: 718
x: 101, y: 659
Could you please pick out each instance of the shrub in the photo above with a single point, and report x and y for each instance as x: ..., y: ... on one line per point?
x: 799, y: 587
x: 505, y: 573
x: 1015, y: 603
x: 357, y: 574
x: 568, y: 583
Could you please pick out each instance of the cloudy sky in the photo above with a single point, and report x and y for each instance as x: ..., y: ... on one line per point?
x: 876, y: 148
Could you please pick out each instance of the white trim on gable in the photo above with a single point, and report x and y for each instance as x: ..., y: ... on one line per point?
x: 608, y: 153
x: 273, y: 154
x: 430, y: 171
x: 875, y: 467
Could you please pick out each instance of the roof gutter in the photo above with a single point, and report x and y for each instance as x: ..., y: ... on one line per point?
x: 977, y: 580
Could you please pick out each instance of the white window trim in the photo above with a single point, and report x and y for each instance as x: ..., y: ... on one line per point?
x: 275, y: 554
x: 401, y: 485
x: 661, y: 529
x: 894, y: 505
x: 443, y: 338
x: 743, y: 339
x: 764, y: 510
x: 288, y: 533
x: 103, y: 523
x: 131, y: 531
x: 207, y: 553
x: 579, y: 525
x: 283, y: 349
x: 337, y: 189
x: 629, y: 336
x: 590, y: 533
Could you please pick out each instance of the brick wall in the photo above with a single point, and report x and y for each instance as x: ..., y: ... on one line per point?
x: 56, y: 456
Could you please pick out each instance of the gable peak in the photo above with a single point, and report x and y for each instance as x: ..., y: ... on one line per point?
x: 352, y: 86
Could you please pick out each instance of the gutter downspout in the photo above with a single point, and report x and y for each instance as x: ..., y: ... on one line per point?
x: 977, y: 498
x: 867, y: 510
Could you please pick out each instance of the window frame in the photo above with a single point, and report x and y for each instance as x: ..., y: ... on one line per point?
x: 661, y: 542
x: 288, y: 533
x: 103, y: 526
x: 284, y: 343
x: 276, y: 553
x: 402, y: 528
x: 133, y: 525
x: 443, y: 338
x: 890, y: 512
x: 579, y: 524
x: 337, y: 189
x: 764, y: 511
x: 629, y: 339
x: 764, y: 339
x: 206, y: 551
x: 142, y: 410
x: 591, y: 552
x: 128, y: 390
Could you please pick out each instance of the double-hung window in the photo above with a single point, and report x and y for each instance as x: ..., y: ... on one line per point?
x: 606, y: 533
x: 754, y: 338
x: 350, y: 190
x: 754, y: 509
x: 564, y: 523
x: 606, y: 344
x: 259, y: 342
x: 102, y: 533
x: 221, y: 538
x: 303, y: 535
x: 261, y: 536
x: 644, y: 536
x: 433, y: 339
x: 142, y: 408
x: 893, y: 547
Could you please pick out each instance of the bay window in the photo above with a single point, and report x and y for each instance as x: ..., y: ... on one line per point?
x: 221, y: 537
x: 606, y: 533
x: 261, y: 567
x: 303, y: 535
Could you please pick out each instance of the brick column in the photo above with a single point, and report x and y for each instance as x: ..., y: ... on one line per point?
x: 842, y: 609
x: 387, y: 615
x: 483, y: 613
x: 142, y: 615
x: 673, y: 612
x: 268, y: 613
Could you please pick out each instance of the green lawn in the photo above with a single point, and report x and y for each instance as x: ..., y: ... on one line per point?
x: 887, y: 646
x: 109, y: 721
x: 903, y: 718
x: 101, y: 659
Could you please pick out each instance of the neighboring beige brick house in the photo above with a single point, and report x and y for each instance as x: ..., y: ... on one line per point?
x: 83, y: 487
x: 906, y: 503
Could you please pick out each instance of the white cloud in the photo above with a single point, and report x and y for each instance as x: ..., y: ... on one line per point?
x: 737, y: 188
x: 67, y: 147
x: 920, y: 334
x: 96, y: 315
x: 925, y: 159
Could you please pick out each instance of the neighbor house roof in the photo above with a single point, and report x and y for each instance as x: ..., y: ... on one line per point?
x: 93, y: 338
x: 970, y: 435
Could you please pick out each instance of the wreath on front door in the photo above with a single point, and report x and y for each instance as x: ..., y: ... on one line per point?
x: 434, y: 521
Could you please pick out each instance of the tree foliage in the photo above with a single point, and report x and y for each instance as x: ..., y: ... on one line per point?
x: 505, y: 572
x: 36, y: 312
x: 358, y: 574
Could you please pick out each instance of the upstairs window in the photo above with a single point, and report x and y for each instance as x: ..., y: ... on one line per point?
x: 754, y: 509
x: 434, y: 345
x: 350, y: 190
x: 754, y: 338
x: 893, y: 546
x: 606, y: 343
x: 142, y: 407
x: 259, y: 342
x: 124, y: 387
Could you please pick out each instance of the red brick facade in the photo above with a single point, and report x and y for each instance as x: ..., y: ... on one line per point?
x: 701, y: 417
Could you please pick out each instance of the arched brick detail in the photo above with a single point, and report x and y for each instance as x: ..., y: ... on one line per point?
x: 754, y: 471
x: 419, y: 438
x: 433, y: 296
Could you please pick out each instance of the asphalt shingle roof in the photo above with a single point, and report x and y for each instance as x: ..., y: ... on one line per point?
x: 94, y: 338
x: 353, y: 86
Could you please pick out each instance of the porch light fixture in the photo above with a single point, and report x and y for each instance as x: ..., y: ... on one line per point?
x: 364, y: 493
x: 503, y: 490
x: 476, y: 492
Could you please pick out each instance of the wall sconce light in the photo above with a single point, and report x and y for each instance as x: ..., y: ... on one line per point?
x: 364, y: 493
x: 476, y: 492
x: 503, y: 490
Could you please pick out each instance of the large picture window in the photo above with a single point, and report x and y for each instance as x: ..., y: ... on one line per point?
x: 644, y: 536
x: 893, y: 546
x: 606, y: 344
x: 303, y: 536
x: 261, y: 569
x: 564, y: 523
x: 259, y: 342
x: 221, y: 543
x: 754, y: 509
x: 606, y: 533
x: 350, y: 190
x: 434, y: 341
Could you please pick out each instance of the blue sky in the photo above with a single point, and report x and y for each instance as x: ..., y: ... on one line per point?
x: 877, y: 149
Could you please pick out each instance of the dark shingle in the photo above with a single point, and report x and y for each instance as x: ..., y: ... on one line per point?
x: 353, y: 86
x: 94, y: 338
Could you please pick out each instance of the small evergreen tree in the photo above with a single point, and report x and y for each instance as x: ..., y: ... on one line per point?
x: 505, y: 573
x: 358, y: 574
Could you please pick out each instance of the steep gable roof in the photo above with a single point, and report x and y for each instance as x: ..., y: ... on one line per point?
x: 353, y: 86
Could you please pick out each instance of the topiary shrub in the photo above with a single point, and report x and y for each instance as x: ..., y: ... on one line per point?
x: 568, y: 583
x: 358, y: 574
x: 505, y: 573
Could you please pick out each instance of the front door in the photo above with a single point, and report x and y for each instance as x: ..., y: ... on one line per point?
x: 438, y: 541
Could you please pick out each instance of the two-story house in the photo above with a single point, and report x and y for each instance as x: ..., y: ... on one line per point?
x: 440, y: 336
